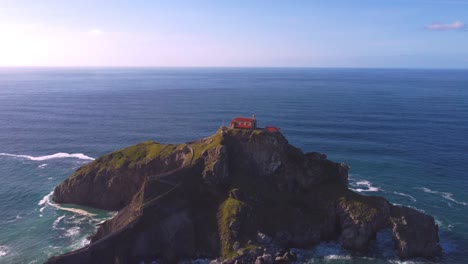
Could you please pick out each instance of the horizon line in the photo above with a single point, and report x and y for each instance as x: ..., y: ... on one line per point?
x: 226, y: 67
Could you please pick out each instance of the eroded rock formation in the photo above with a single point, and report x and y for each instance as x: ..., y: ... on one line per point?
x: 235, y: 192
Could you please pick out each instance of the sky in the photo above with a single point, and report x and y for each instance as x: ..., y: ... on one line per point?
x: 240, y: 33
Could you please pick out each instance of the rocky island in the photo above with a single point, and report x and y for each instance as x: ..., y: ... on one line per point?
x: 238, y: 195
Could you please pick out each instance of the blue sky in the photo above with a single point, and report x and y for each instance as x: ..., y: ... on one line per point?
x: 333, y: 33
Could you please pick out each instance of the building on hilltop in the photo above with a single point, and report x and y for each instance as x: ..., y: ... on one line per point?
x: 244, y: 123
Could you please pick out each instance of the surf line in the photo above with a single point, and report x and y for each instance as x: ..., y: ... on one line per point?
x: 60, y: 155
x: 445, y: 195
x: 47, y: 201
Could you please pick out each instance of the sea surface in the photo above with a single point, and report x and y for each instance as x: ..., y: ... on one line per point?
x: 403, y: 132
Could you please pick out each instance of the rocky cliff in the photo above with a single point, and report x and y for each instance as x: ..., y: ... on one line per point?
x: 237, y: 195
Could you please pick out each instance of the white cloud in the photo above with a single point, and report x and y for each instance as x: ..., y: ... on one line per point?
x: 95, y: 32
x: 451, y: 26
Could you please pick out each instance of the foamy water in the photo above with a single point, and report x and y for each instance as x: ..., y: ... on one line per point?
x: 445, y: 195
x: 46, y: 201
x: 361, y: 185
x: 400, y: 131
x: 59, y: 155
x: 406, y: 195
x: 3, y: 250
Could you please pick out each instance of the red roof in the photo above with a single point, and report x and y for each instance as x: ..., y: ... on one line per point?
x: 242, y: 119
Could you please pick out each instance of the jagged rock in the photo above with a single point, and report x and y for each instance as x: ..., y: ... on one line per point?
x: 415, y: 233
x: 361, y: 218
x: 281, y: 260
x: 236, y: 194
x: 267, y: 259
x: 207, y: 197
x: 264, y: 259
x: 236, y: 246
x: 289, y: 256
x: 283, y: 238
x: 259, y: 260
x: 111, y: 181
x: 234, y: 225
x: 263, y: 239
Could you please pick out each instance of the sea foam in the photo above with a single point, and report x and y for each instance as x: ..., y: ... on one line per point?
x: 445, y: 195
x: 46, y: 201
x: 72, y: 232
x: 3, y: 250
x: 406, y: 195
x: 60, y: 155
x: 364, y: 186
x: 57, y: 221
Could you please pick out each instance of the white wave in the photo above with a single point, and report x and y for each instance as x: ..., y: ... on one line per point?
x: 46, y: 201
x: 368, y: 187
x: 4, y: 250
x: 73, y: 210
x: 59, y: 155
x: 56, y: 222
x: 406, y: 261
x: 445, y: 195
x: 337, y: 257
x: 406, y: 195
x: 42, y: 166
x: 81, y: 242
x: 72, y: 232
x: 43, y: 203
x: 328, y: 248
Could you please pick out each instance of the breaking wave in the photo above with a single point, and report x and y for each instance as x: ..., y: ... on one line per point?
x: 57, y: 221
x: 405, y: 195
x: 59, y: 155
x: 364, y: 186
x: 4, y: 250
x: 46, y: 201
x: 445, y: 195
x: 337, y: 257
x: 73, y: 232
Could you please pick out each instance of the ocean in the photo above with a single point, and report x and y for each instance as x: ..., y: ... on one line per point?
x: 403, y: 132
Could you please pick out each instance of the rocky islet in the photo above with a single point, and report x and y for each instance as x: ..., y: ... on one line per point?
x: 238, y: 195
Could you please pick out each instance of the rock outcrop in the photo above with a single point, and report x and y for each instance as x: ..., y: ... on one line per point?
x: 415, y: 234
x: 237, y: 195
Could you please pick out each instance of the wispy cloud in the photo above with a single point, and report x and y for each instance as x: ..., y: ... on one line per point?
x: 95, y: 32
x: 457, y: 25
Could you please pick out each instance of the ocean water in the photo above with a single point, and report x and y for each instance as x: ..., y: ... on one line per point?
x: 403, y: 132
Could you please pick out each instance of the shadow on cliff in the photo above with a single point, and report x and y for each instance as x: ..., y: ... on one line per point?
x: 233, y: 196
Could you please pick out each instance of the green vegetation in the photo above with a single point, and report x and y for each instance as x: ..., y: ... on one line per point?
x: 130, y: 157
x: 365, y: 208
x: 201, y: 146
x: 250, y: 133
x: 142, y: 153
x: 227, y: 213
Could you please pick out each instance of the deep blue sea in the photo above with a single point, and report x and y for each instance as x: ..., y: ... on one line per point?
x: 403, y: 132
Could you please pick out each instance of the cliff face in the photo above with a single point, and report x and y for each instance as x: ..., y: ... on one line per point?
x: 233, y: 195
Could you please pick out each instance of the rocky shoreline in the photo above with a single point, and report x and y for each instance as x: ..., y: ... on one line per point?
x: 238, y: 196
